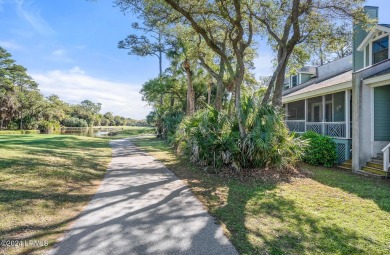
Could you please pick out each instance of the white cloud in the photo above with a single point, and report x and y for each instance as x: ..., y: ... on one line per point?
x: 10, y: 45
x: 74, y: 86
x: 33, y: 17
x: 76, y: 70
x: 60, y: 55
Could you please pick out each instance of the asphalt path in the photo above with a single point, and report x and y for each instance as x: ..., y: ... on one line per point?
x: 141, y: 207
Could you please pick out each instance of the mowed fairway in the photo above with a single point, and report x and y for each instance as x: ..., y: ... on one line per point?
x: 329, y: 212
x: 45, y: 180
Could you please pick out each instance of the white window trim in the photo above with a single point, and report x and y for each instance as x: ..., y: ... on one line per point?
x: 370, y: 47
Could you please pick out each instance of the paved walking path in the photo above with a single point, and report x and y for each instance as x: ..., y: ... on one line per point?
x: 142, y: 208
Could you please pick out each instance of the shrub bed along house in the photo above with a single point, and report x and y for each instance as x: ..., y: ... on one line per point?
x: 321, y: 150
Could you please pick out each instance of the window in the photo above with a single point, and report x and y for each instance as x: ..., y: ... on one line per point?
x: 294, y: 80
x: 380, y: 50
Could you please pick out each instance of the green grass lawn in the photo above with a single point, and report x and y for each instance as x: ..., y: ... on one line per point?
x: 330, y: 212
x: 45, y: 180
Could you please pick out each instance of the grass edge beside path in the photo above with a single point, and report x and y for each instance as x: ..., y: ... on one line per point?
x: 45, y: 182
x: 330, y: 212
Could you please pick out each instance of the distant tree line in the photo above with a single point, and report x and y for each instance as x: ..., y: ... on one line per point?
x: 22, y: 105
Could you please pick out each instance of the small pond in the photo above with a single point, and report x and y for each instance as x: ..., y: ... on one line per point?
x: 90, y: 132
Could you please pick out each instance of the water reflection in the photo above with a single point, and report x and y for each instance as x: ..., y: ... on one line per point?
x: 90, y: 132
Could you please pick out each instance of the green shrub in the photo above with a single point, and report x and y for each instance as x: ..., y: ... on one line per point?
x: 48, y: 127
x: 74, y: 122
x: 211, y: 137
x: 321, y: 150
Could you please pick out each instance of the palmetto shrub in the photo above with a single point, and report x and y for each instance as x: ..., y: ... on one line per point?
x: 169, y: 123
x: 211, y: 137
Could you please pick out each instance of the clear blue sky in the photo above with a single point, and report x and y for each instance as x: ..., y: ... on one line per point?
x: 70, y: 48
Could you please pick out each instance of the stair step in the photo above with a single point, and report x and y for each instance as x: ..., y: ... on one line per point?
x: 377, y: 161
x: 380, y: 155
x: 345, y: 167
x: 374, y: 170
x: 347, y: 164
x: 375, y: 165
x: 369, y: 174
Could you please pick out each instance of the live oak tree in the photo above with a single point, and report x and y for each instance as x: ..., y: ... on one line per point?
x: 206, y: 17
x: 289, y: 23
x: 291, y: 26
x: 333, y: 44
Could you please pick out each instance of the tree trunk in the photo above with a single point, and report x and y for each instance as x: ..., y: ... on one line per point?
x: 237, y: 103
x: 282, y: 59
x: 172, y: 101
x: 160, y: 67
x: 219, y: 95
x: 209, y: 93
x: 190, y: 89
x: 279, y: 84
x: 21, y: 120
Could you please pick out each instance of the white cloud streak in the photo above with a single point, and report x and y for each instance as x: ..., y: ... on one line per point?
x: 33, y: 17
x: 74, y: 86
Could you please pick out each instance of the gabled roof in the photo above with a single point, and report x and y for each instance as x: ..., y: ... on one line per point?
x: 376, y: 28
x: 325, y: 72
x: 336, y: 83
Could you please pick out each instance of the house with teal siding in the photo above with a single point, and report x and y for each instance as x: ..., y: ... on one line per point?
x: 348, y: 100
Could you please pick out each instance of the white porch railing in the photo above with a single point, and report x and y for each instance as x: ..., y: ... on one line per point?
x: 332, y: 129
x: 317, y: 127
x: 386, y: 160
x: 297, y: 126
x: 335, y: 129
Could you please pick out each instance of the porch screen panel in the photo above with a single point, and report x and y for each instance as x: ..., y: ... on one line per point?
x: 314, y: 109
x: 296, y: 110
x: 382, y: 113
x: 339, y: 106
x: 328, y: 108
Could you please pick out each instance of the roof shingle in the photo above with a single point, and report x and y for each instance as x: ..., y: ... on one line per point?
x: 341, y: 78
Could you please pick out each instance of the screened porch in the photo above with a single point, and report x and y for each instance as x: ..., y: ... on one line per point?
x: 328, y: 115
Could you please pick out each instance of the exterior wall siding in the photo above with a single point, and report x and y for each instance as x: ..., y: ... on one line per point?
x: 359, y: 35
x: 382, y: 113
x: 362, y: 131
x: 305, y: 78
